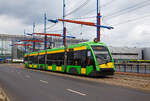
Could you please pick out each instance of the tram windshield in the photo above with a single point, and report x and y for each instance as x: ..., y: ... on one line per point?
x: 102, y: 54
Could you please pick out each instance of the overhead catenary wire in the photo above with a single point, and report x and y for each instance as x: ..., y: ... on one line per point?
x: 131, y: 20
x: 100, y: 7
x: 79, y: 7
x: 51, y: 26
x: 91, y: 11
x: 128, y: 9
x: 82, y: 17
x: 68, y: 2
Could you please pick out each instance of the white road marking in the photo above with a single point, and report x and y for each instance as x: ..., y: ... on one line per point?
x: 44, y: 81
x: 76, y: 92
x: 28, y: 76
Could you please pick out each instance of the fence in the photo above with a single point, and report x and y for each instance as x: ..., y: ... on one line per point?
x: 132, y: 67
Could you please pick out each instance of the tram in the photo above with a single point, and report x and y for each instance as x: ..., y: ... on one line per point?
x: 88, y: 58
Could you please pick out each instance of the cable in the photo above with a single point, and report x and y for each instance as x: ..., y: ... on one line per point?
x: 81, y: 17
x: 101, y: 7
x: 128, y: 9
x: 106, y: 4
x: 82, y: 5
x: 51, y: 26
x: 94, y: 16
x: 56, y: 30
x: 68, y: 2
x: 79, y: 7
x: 131, y: 20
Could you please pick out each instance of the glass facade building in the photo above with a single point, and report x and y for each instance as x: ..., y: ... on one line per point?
x: 5, y: 49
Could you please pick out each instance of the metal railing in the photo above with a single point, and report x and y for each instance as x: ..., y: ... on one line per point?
x: 132, y: 67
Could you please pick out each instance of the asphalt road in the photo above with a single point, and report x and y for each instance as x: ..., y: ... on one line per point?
x: 28, y: 85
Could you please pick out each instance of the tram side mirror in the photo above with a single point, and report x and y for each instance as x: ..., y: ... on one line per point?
x: 89, y: 53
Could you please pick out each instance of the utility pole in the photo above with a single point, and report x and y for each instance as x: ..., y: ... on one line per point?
x: 25, y: 49
x: 64, y: 37
x: 98, y: 20
x: 33, y: 37
x: 45, y: 38
x: 64, y: 27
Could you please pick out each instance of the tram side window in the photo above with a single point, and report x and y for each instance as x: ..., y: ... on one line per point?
x: 57, y: 59
x: 90, y: 59
x: 41, y: 59
x: 60, y: 56
x: 76, y: 58
x: 77, y: 55
x: 60, y: 59
x: 35, y: 60
x: 31, y: 58
x: 80, y: 58
x: 49, y: 59
x: 83, y: 58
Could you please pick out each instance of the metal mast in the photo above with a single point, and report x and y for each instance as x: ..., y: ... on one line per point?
x: 98, y: 20
x: 25, y: 50
x: 33, y: 37
x: 45, y: 38
x: 64, y: 27
x: 64, y: 38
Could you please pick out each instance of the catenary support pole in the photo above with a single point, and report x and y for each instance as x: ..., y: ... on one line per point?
x: 25, y: 48
x: 45, y: 38
x: 33, y: 37
x: 64, y: 22
x: 64, y: 38
x: 98, y: 20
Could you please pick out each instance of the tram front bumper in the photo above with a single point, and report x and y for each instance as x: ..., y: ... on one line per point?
x: 107, y: 69
x: 107, y: 65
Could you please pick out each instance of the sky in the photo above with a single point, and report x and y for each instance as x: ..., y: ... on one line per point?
x: 130, y: 19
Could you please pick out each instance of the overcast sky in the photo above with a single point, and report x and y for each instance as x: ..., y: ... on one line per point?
x: 130, y: 19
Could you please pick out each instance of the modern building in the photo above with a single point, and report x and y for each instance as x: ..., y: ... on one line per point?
x: 126, y: 53
x: 8, y: 49
x: 146, y: 53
